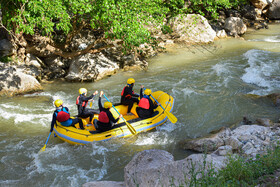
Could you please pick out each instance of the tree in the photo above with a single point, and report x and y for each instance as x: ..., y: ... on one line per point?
x: 40, y: 21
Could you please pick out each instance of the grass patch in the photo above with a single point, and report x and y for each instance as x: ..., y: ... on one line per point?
x: 239, y: 171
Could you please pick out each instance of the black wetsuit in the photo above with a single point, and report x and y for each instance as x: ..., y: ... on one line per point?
x: 105, y: 126
x: 146, y: 113
x: 129, y: 97
x: 84, y: 112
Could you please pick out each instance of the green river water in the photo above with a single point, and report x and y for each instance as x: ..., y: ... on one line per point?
x: 210, y: 86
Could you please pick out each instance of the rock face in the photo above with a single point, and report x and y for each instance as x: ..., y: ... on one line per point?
x: 104, y: 184
x: 260, y: 4
x: 208, y: 144
x: 157, y: 168
x: 6, y: 48
x: 249, y: 140
x: 274, y: 10
x: 235, y: 26
x: 13, y: 81
x: 91, y: 67
x: 193, y: 28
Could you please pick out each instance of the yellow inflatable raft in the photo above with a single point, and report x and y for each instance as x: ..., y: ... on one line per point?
x: 73, y: 135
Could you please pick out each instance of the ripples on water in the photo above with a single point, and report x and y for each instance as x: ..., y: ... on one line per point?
x: 210, y: 91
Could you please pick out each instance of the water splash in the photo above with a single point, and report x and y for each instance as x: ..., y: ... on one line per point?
x: 262, y: 71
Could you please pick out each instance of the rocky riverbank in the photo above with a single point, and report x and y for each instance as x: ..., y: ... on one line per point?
x: 186, y: 29
x: 151, y: 168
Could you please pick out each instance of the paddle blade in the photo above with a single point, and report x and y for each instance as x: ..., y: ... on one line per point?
x: 171, y: 117
x: 43, y: 148
x: 132, y: 130
x: 90, y: 104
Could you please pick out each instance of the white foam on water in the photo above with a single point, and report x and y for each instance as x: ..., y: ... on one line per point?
x: 263, y: 66
x: 270, y: 39
x: 154, y: 138
x: 221, y: 69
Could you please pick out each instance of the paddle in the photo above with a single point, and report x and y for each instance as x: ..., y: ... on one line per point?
x: 132, y: 130
x: 170, y: 116
x: 43, y: 148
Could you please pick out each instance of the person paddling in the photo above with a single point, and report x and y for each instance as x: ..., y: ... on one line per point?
x: 128, y: 97
x: 105, y: 119
x: 146, y: 106
x: 82, y: 101
x: 62, y: 115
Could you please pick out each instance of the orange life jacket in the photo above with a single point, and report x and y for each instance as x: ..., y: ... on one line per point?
x: 144, y: 103
x: 103, y: 117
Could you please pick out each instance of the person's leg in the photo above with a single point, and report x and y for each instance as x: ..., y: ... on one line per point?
x: 78, y: 120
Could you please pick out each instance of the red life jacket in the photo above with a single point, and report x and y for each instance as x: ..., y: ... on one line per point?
x: 84, y: 104
x: 144, y: 103
x: 62, y: 115
x: 103, y: 117
x: 128, y: 95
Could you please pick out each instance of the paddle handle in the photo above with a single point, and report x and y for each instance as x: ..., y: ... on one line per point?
x: 155, y: 100
x: 48, y: 138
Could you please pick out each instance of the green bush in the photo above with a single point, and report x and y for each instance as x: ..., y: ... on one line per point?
x: 239, y: 171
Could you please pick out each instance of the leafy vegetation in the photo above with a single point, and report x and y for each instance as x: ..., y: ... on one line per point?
x: 239, y: 171
x: 210, y: 8
x: 126, y: 20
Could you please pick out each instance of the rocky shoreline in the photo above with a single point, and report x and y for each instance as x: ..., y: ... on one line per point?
x: 152, y: 168
x: 93, y: 67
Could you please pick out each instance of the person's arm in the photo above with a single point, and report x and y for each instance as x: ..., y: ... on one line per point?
x: 53, y: 121
x: 152, y: 105
x: 141, y: 92
x: 84, y: 98
x: 100, y: 104
x: 111, y: 117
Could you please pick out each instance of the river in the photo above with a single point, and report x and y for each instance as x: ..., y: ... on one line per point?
x: 211, y: 85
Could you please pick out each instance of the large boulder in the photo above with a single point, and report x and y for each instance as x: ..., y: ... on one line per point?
x: 192, y: 28
x: 206, y: 144
x: 157, y: 168
x: 6, y: 48
x: 91, y: 67
x: 274, y: 10
x: 13, y: 81
x: 261, y: 4
x: 235, y: 26
x: 104, y: 184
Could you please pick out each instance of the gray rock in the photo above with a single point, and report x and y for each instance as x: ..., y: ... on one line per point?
x: 156, y: 168
x: 235, y: 26
x: 193, y: 28
x: 104, y: 184
x: 274, y: 10
x: 13, y: 81
x: 261, y: 4
x: 91, y: 67
x: 264, y: 122
x: 233, y: 142
x: 6, y: 48
x: 224, y: 150
x: 145, y: 168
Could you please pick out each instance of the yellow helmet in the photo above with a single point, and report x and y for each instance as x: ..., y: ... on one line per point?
x: 108, y: 104
x: 147, y: 92
x: 58, y: 102
x: 82, y: 90
x: 130, y: 81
